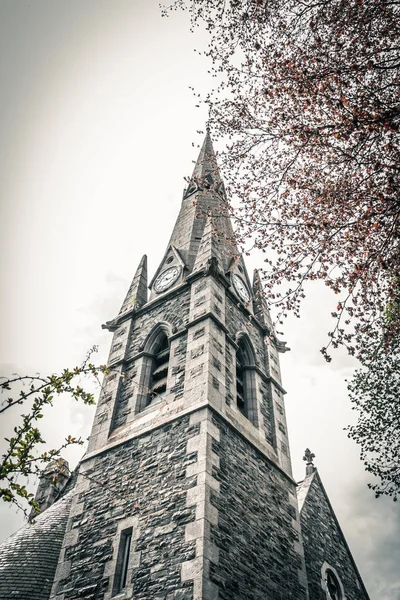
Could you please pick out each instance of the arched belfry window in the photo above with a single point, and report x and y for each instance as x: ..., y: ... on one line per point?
x: 159, y: 371
x: 154, y: 367
x: 245, y: 380
x: 240, y: 384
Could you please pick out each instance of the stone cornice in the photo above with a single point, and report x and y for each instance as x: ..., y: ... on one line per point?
x: 266, y: 378
x: 190, y: 278
x: 259, y: 444
x: 208, y: 315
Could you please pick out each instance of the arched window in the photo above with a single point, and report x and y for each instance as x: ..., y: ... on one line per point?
x: 331, y: 583
x: 245, y: 381
x: 159, y: 371
x: 154, y: 367
x: 240, y: 383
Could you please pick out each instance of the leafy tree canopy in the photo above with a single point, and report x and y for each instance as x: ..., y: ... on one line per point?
x: 23, y: 456
x: 307, y: 96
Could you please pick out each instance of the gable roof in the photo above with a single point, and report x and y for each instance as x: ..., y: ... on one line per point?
x: 29, y: 557
x: 323, y: 524
x: 302, y: 490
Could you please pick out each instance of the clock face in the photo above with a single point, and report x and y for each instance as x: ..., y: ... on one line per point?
x: 241, y: 288
x: 166, y: 279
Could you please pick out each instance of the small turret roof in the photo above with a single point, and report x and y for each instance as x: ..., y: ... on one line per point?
x: 28, y: 558
x: 137, y: 293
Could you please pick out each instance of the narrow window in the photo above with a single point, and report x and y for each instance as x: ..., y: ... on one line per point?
x: 121, y: 573
x: 240, y: 391
x: 246, y: 399
x: 159, y: 374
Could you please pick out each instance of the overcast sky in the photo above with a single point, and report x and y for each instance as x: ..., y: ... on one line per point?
x: 97, y: 130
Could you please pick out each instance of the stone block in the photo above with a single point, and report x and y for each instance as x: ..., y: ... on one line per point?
x: 192, y: 569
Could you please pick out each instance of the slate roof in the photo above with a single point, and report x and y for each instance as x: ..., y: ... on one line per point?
x: 28, y: 558
x: 302, y: 490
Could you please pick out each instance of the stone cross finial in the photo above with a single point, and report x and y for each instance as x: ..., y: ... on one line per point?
x: 308, y: 457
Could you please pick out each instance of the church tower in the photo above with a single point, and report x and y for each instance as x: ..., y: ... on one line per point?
x: 186, y: 490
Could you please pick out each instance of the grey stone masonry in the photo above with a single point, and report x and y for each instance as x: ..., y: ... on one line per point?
x: 137, y: 293
x: 204, y: 323
x: 205, y: 320
x: 52, y: 482
x: 258, y: 531
x: 206, y: 198
x: 126, y: 382
x: 198, y: 480
x: 211, y: 516
x: 198, y: 569
x: 267, y: 378
x: 143, y: 484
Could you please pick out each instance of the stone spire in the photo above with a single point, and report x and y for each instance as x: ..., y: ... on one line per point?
x: 137, y: 293
x: 204, y: 195
x: 209, y: 254
x: 206, y: 175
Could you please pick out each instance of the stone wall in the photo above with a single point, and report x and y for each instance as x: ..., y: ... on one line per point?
x: 271, y: 419
x: 174, y: 310
x: 267, y: 412
x: 260, y: 553
x: 118, y: 399
x: 324, y: 543
x: 237, y: 320
x: 125, y: 390
x: 141, y: 483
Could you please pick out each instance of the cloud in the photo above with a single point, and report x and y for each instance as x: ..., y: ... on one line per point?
x: 372, y: 527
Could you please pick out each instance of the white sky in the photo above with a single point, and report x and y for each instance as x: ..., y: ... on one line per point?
x: 97, y: 124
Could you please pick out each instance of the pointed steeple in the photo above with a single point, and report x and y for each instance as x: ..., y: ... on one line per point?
x: 137, y: 294
x: 204, y: 195
x: 260, y: 304
x: 206, y: 175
